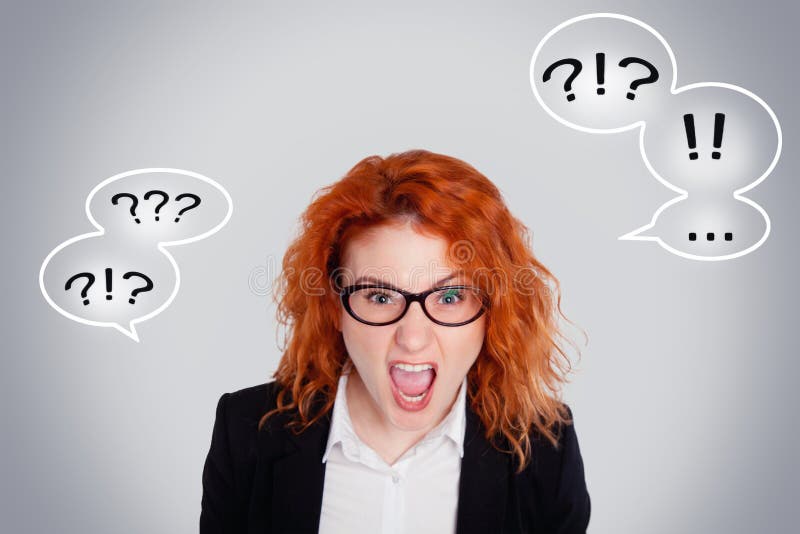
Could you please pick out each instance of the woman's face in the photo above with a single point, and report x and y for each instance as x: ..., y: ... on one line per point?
x: 407, y: 260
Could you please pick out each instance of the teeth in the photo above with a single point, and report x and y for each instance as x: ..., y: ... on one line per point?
x: 414, y: 368
x: 413, y: 399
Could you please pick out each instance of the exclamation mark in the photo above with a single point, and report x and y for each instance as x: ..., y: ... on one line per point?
x: 600, y: 60
x: 719, y: 126
x: 108, y: 283
x: 688, y: 123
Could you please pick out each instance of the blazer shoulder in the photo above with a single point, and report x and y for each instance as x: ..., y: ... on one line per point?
x: 239, y: 413
x: 548, y: 459
x: 251, y: 403
x: 562, y: 430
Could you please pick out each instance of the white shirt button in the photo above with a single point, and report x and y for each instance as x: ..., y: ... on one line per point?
x: 395, y: 477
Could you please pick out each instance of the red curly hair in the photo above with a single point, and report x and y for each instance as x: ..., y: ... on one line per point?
x: 515, y: 383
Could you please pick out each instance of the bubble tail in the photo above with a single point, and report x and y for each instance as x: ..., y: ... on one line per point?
x: 130, y: 331
x: 639, y: 234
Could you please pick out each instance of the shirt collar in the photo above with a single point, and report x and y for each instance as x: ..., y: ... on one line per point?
x: 452, y: 426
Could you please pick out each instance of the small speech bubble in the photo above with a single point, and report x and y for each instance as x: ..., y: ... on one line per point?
x: 122, y: 274
x: 701, y: 228
x: 710, y: 142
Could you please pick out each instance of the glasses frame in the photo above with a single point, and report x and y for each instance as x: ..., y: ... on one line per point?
x: 409, y: 298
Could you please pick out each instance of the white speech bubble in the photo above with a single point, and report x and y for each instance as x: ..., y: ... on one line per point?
x: 122, y: 255
x: 602, y: 108
x: 704, y: 229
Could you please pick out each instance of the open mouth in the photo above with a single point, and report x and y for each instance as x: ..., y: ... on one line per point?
x: 412, y: 384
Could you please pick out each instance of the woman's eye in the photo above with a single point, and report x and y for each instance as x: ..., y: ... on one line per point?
x: 451, y: 297
x: 379, y: 298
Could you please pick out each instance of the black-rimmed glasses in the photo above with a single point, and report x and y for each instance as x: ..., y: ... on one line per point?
x: 380, y: 305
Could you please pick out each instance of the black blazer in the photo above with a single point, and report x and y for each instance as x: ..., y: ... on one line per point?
x: 271, y: 481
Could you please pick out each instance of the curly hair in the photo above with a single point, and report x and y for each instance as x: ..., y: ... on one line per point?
x: 515, y: 383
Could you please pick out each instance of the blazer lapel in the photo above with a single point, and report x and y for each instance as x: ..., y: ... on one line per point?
x: 483, y: 486
x: 292, y: 477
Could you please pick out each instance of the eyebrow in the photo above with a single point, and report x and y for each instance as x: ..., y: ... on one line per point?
x: 373, y: 279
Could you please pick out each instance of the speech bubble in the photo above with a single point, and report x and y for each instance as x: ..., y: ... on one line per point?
x: 710, y: 142
x: 123, y: 274
x: 700, y: 228
x: 625, y: 72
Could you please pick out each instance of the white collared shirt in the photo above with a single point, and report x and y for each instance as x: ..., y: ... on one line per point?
x: 418, y: 494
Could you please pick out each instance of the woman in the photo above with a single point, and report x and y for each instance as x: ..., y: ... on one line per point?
x: 418, y: 388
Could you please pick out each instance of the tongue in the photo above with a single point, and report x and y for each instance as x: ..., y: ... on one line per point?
x: 412, y: 383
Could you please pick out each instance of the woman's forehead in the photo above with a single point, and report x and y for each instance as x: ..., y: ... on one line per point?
x: 393, y: 246
x: 402, y: 263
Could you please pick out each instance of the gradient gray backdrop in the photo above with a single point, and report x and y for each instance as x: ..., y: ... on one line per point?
x: 685, y: 398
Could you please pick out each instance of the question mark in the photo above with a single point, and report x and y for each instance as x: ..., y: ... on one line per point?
x: 147, y: 287
x: 576, y: 69
x: 85, y: 289
x: 641, y: 81
x: 164, y: 197
x: 134, y: 203
x: 190, y: 206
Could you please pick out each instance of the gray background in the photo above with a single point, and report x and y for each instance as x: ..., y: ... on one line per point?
x: 685, y: 395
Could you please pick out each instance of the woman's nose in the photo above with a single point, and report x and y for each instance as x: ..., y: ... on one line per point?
x: 414, y: 329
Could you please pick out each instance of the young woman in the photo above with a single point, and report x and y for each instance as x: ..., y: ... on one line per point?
x: 418, y: 389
